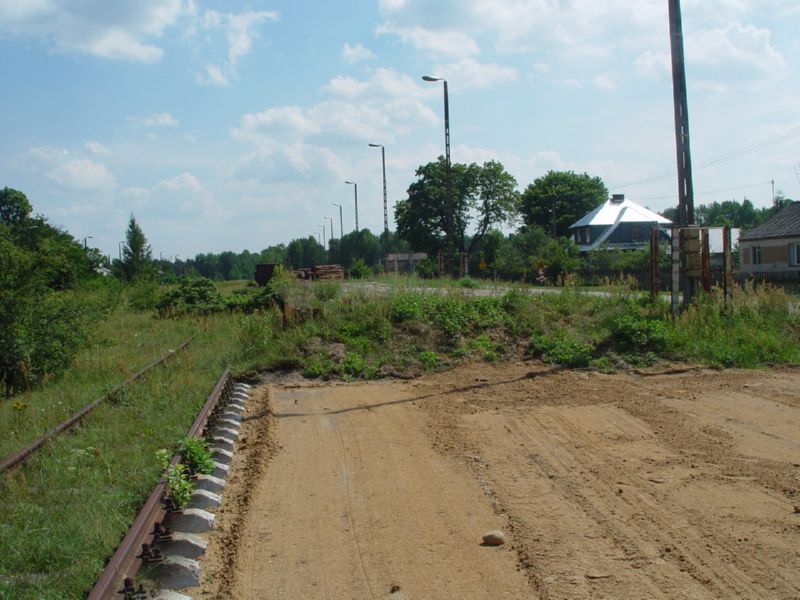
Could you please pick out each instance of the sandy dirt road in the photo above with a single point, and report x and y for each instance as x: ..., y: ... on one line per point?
x: 615, y: 486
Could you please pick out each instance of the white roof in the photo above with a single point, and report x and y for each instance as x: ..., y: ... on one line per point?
x: 613, y: 211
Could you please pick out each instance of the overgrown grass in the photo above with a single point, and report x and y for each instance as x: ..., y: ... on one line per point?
x: 63, y: 512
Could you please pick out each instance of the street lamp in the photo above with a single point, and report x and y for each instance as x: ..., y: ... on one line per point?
x: 119, y: 245
x: 331, y: 220
x: 341, y: 224
x: 355, y: 191
x: 385, y: 207
x: 428, y: 78
x: 88, y: 237
x: 324, y: 241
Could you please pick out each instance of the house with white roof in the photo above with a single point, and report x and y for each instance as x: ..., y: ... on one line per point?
x: 618, y: 224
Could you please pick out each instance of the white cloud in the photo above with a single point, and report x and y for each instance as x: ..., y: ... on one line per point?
x: 96, y: 148
x: 356, y: 54
x: 77, y: 173
x: 239, y: 30
x: 721, y: 59
x: 156, y: 120
x: 213, y: 75
x: 472, y: 74
x: 541, y: 68
x: 123, y: 29
x: 443, y: 42
x: 605, y: 81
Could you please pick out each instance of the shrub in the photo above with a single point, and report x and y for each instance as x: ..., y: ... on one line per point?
x: 143, y: 295
x: 194, y: 295
x: 468, y: 283
x: 359, y: 269
x: 197, y: 455
x: 405, y: 307
x: 632, y: 333
x: 429, y: 359
x: 561, y: 351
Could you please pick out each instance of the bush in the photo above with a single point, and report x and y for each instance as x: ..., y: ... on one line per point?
x: 632, y: 333
x: 405, y: 306
x: 196, y: 296
x: 468, y: 283
x: 143, y: 295
x: 359, y: 269
x: 561, y: 351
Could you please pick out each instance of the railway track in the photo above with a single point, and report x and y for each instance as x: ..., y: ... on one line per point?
x: 13, y: 460
x: 162, y: 537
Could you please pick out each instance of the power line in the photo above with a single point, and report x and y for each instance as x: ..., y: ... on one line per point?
x: 759, y: 145
x: 729, y: 189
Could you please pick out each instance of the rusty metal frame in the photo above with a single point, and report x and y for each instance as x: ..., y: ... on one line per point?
x: 16, y: 458
x: 128, y: 557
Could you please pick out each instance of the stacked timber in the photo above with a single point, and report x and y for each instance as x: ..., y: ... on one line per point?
x: 328, y: 272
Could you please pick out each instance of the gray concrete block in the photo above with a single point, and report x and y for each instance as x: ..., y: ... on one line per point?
x: 204, y: 499
x: 220, y: 471
x: 222, y: 455
x: 177, y: 572
x: 219, y: 442
x: 191, y: 520
x: 208, y: 483
x: 187, y: 545
x: 226, y: 432
x: 170, y: 595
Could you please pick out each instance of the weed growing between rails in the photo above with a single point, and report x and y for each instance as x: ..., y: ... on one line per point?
x: 63, y: 512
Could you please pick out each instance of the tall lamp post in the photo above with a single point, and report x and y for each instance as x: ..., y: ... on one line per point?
x: 119, y: 246
x: 88, y: 237
x: 324, y: 241
x: 341, y: 223
x: 331, y: 220
x: 385, y: 206
x: 355, y: 191
x: 448, y: 262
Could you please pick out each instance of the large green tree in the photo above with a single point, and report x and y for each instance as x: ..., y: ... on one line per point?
x: 482, y: 196
x: 559, y: 198
x: 137, y: 256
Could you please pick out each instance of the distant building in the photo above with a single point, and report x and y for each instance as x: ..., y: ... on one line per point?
x: 404, y: 262
x: 774, y: 245
x: 618, y: 224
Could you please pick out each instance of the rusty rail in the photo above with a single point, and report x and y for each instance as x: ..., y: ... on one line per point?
x: 135, y: 547
x: 14, y: 459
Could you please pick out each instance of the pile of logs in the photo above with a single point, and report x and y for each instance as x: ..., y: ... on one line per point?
x: 321, y: 272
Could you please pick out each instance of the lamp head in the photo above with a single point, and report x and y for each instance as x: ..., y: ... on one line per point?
x: 351, y: 182
x: 429, y: 78
x: 376, y: 145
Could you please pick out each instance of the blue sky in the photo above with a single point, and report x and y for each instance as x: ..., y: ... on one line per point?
x: 233, y: 125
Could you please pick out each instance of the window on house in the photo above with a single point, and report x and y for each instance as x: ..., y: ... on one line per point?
x: 636, y: 234
x: 794, y: 254
x: 756, y: 255
x: 584, y: 235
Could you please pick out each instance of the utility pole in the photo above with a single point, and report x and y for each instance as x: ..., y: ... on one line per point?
x: 685, y: 189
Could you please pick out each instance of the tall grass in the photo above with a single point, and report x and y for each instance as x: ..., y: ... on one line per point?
x: 63, y: 512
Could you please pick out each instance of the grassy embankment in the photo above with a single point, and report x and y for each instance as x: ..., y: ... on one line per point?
x: 62, y: 514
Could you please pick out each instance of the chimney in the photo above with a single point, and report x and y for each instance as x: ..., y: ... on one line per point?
x: 618, y: 198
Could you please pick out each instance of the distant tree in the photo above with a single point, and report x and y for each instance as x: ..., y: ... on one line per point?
x: 305, y: 252
x: 482, y: 196
x: 559, y: 198
x: 15, y: 209
x: 137, y: 256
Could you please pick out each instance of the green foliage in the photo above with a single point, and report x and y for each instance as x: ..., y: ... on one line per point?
x: 468, y: 283
x: 405, y: 306
x: 559, y: 198
x: 197, y: 455
x: 632, y: 333
x: 358, y: 269
x: 143, y: 295
x: 482, y: 197
x: 192, y: 296
x: 137, y: 257
x: 561, y: 350
x: 429, y: 359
